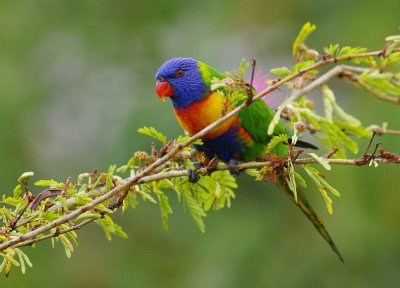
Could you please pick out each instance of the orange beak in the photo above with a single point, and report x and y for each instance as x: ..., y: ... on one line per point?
x: 164, y: 89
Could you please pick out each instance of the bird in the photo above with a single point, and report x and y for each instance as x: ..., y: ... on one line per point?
x: 196, y: 103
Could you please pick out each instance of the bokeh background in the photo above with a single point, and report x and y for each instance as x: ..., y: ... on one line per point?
x: 77, y: 81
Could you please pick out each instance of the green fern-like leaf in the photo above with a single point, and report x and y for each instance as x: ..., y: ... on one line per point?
x: 152, y: 132
x: 305, y: 31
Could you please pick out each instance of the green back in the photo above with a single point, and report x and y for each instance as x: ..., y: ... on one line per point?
x: 208, y: 73
x: 256, y: 119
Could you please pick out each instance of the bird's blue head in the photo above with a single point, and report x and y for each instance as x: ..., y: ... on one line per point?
x: 181, y: 79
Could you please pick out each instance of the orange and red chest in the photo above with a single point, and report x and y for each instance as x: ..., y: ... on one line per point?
x: 200, y: 114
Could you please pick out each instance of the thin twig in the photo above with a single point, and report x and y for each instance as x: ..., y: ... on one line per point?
x: 378, y: 94
x: 382, y: 130
x: 331, y: 152
x: 254, y: 164
x: 389, y: 132
x: 55, y: 234
x: 370, y: 142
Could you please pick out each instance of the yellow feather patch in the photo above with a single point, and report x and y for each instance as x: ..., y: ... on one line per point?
x: 200, y: 114
x: 205, y: 72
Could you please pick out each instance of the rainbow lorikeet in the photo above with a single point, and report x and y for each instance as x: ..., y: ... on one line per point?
x: 188, y: 83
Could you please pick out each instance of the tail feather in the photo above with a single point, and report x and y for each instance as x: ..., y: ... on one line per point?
x: 303, y: 144
x: 306, y: 208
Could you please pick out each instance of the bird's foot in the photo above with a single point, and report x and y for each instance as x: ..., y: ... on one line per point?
x: 193, y: 176
x: 232, y: 167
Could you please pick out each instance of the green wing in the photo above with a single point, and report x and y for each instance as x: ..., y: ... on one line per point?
x: 256, y: 119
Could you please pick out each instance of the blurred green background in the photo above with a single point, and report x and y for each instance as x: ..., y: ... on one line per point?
x: 77, y: 81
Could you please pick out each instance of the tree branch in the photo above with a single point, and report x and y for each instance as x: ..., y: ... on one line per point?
x: 353, y: 77
x: 145, y: 175
x: 388, y: 132
x: 55, y: 234
x: 30, y: 238
x: 382, y: 130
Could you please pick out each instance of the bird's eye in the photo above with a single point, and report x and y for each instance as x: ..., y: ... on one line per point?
x: 179, y: 73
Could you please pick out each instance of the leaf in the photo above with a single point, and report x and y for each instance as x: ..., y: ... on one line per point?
x: 327, y: 199
x: 26, y: 258
x: 277, y: 117
x: 351, y: 129
x: 323, y: 186
x: 393, y: 43
x: 68, y: 247
x: 281, y: 138
x: 133, y: 203
x: 195, y: 209
x: 347, y: 50
x: 302, y: 65
x: 252, y: 172
x: 17, y: 191
x: 291, y: 180
x: 311, y: 117
x: 63, y: 202
x: 8, y: 261
x: 130, y: 165
x: 165, y: 208
x: 330, y: 104
x: 345, y: 140
x: 331, y: 49
x: 147, y: 196
x: 184, y: 138
x: 217, y: 85
x: 109, y: 177
x: 242, y: 69
x: 109, y: 227
x: 300, y: 180
x: 14, y: 202
x: 156, y: 186
x: 23, y: 179
x: 347, y: 117
x: 381, y: 82
x: 392, y: 38
x: 329, y: 187
x: 152, y: 132
x: 305, y: 31
x: 216, y: 190
x: 10, y: 257
x: 281, y: 71
x: 50, y: 215
x: 22, y: 259
x: 324, y: 162
x: 72, y: 235
x: 332, y: 135
x: 88, y: 215
x: 82, y: 177
x: 51, y: 183
x: 328, y: 98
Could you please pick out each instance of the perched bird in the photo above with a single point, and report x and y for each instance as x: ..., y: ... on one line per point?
x: 243, y: 137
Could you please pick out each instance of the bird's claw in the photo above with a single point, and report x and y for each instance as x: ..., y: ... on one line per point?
x: 232, y: 167
x: 193, y: 176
